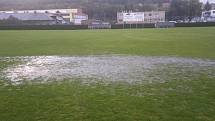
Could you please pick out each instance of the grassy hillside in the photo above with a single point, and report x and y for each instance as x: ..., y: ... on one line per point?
x: 187, y: 42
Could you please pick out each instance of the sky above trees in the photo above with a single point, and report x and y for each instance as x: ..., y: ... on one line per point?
x: 211, y: 1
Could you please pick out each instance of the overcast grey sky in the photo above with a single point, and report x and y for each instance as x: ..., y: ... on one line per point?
x: 211, y: 1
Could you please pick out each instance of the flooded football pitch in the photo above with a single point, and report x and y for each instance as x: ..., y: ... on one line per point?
x: 107, y: 68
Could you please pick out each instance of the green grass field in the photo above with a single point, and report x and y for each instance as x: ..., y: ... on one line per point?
x: 177, y: 100
x: 189, y: 42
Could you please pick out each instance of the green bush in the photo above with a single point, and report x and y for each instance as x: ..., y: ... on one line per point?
x: 128, y: 26
x: 199, y: 24
x: 43, y: 27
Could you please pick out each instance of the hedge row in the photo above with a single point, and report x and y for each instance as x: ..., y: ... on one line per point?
x: 128, y: 26
x: 70, y: 27
x: 115, y: 26
x: 43, y: 27
x: 199, y: 24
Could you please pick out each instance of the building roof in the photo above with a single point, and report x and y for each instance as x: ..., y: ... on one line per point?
x: 45, y: 11
x: 27, y: 16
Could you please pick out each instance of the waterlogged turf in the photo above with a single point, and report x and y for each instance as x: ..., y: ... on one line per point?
x: 168, y: 88
x: 108, y: 75
x: 131, y: 69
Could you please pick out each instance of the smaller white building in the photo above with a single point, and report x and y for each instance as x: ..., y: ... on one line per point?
x: 140, y: 17
x: 210, y: 13
x: 78, y: 18
x: 130, y: 17
x: 208, y: 16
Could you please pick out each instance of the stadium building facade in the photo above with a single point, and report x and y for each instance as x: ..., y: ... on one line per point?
x: 140, y: 17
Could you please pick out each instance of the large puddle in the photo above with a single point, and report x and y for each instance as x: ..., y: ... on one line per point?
x: 105, y: 68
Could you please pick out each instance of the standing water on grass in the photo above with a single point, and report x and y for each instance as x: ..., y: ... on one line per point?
x: 104, y: 68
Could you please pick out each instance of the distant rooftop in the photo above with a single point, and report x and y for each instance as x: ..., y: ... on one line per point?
x: 26, y: 16
x: 45, y: 11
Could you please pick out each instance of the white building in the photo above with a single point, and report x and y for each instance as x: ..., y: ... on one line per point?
x: 140, y: 17
x: 130, y: 17
x: 208, y: 16
x: 78, y: 18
